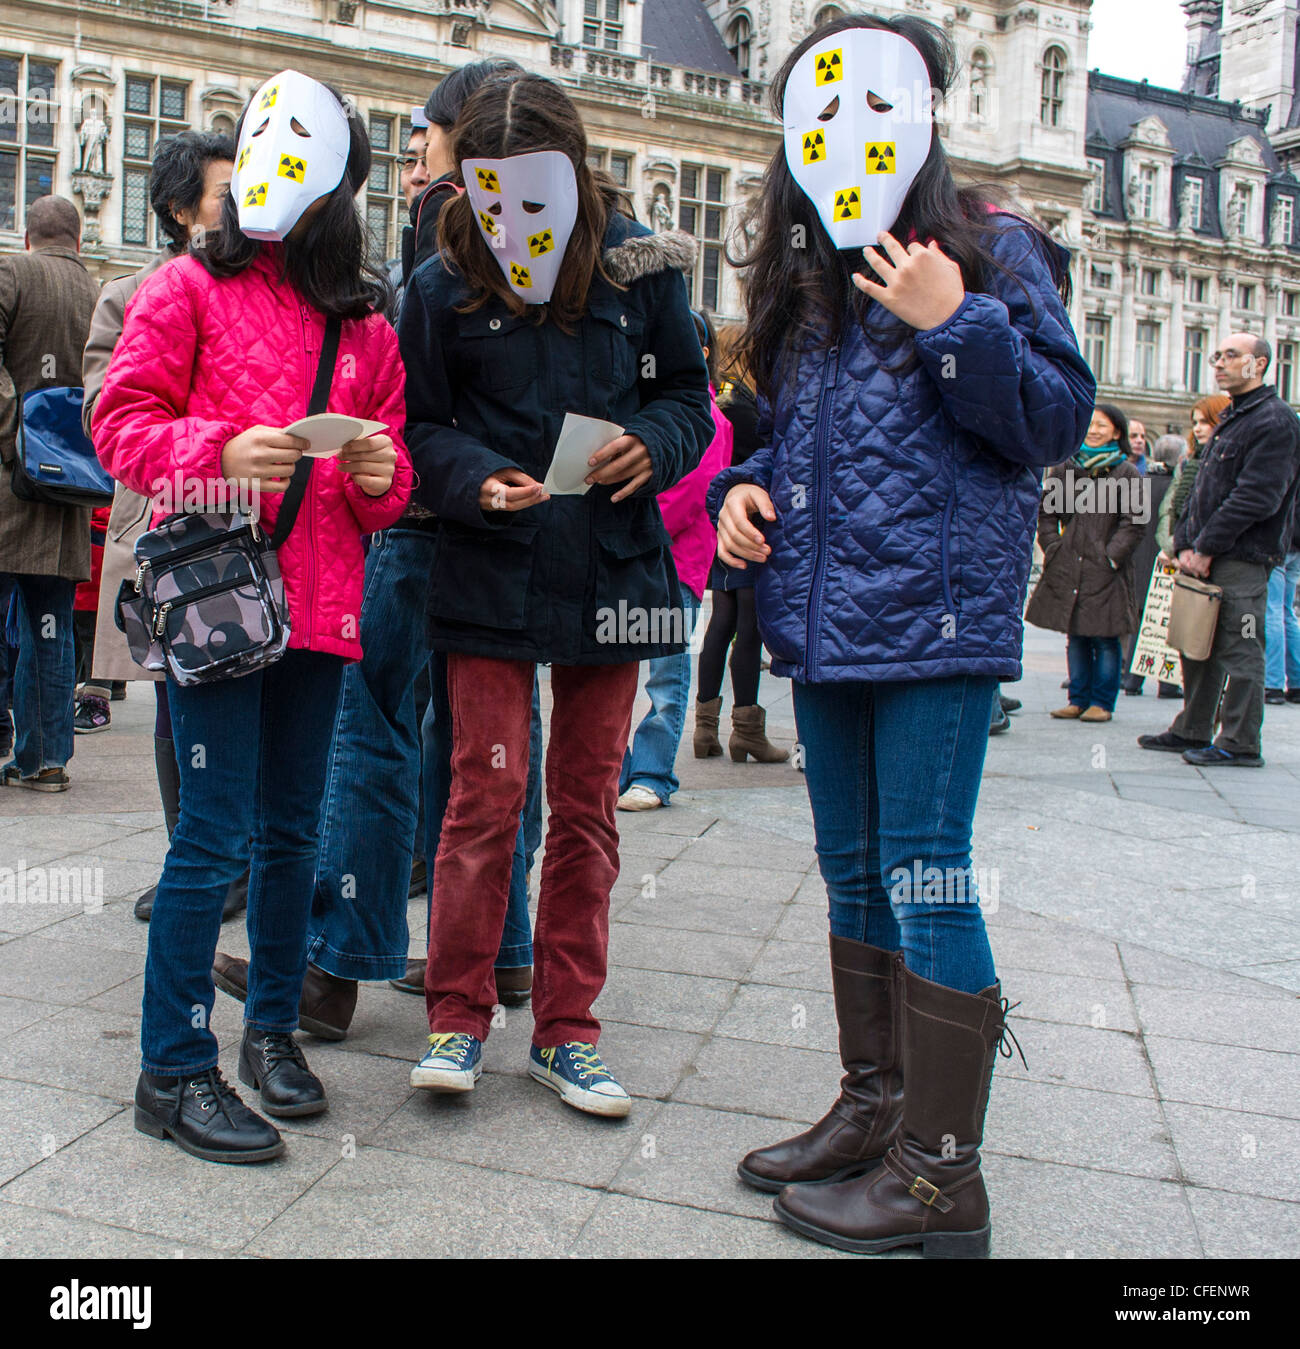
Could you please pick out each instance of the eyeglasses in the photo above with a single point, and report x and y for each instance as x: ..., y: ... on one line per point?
x: 407, y: 162
x: 1217, y: 357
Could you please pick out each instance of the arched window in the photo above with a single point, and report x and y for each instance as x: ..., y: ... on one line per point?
x: 224, y: 125
x: 825, y: 14
x: 738, y: 36
x: 1052, y: 105
x: 980, y: 68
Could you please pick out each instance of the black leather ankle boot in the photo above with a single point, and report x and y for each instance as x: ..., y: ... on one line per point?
x: 273, y: 1063
x: 203, y: 1114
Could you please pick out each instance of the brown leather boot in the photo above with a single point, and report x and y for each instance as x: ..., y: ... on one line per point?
x: 707, y: 712
x: 325, y: 1006
x: 855, y: 1134
x: 749, y: 737
x: 928, y: 1191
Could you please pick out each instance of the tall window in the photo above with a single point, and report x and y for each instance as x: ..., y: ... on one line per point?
x: 154, y: 108
x: 1194, y: 344
x: 703, y: 213
x: 384, y: 200
x: 26, y: 136
x: 1245, y: 297
x: 617, y: 164
x: 1096, y: 345
x: 1285, y: 220
x: 1147, y: 180
x: 980, y: 65
x: 1291, y: 303
x: 1286, y: 385
x: 602, y: 24
x: 1198, y: 289
x: 1097, y: 189
x: 738, y: 39
x: 1195, y: 190
x: 1147, y: 353
x: 1052, y: 104
x: 1150, y: 281
x: 1100, y: 278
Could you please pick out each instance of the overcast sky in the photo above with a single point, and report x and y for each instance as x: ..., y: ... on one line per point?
x: 1139, y: 39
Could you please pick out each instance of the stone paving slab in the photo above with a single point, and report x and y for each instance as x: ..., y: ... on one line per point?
x: 1141, y: 912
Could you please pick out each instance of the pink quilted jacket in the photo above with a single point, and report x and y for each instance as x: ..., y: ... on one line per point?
x: 202, y: 359
x: 695, y: 541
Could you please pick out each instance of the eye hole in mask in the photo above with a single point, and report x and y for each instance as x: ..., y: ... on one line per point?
x: 532, y: 207
x: 298, y: 128
x: 495, y: 208
x: 878, y: 104
x: 829, y: 110
x: 263, y: 127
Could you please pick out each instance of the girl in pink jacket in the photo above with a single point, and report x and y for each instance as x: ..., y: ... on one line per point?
x: 219, y: 352
x: 648, y: 781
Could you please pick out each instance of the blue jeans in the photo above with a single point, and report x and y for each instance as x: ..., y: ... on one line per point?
x: 517, y: 934
x: 893, y: 774
x: 1282, y: 628
x: 372, y: 794
x: 44, y: 674
x: 1094, y: 671
x: 252, y: 754
x: 649, y: 762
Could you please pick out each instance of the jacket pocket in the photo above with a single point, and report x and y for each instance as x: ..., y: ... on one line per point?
x: 482, y: 577
x: 613, y: 336
x: 945, y: 553
x: 499, y: 350
x: 635, y: 578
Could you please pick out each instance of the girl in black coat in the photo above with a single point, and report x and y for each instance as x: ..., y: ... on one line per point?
x: 585, y: 583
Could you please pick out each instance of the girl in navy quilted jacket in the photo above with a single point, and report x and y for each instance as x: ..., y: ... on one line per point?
x: 915, y: 370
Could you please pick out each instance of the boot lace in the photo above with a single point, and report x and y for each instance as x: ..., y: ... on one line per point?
x: 282, y: 1048
x: 1005, y: 1033
x: 212, y: 1091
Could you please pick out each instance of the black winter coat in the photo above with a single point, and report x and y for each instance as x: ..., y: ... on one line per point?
x: 577, y: 580
x: 1242, y: 502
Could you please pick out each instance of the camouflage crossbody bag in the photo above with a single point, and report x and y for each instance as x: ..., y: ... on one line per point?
x: 207, y: 601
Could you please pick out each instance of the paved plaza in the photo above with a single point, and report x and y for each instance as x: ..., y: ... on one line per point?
x: 1142, y: 912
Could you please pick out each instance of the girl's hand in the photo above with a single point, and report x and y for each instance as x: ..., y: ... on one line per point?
x: 370, y: 462
x: 624, y: 460
x: 738, y: 536
x: 921, y: 284
x: 263, y: 455
x: 510, y: 489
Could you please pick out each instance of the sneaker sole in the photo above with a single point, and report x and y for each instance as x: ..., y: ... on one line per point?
x: 589, y: 1102
x: 91, y: 730
x: 145, y: 1123
x: 1169, y: 749
x: 445, y: 1079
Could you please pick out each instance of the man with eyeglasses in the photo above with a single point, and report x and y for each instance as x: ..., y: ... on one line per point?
x: 413, y: 178
x: 1233, y: 532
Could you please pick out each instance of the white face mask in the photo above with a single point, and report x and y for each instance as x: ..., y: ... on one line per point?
x: 293, y: 148
x: 855, y: 163
x: 525, y: 206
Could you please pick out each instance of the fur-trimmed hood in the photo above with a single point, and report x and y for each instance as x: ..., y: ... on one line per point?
x: 641, y: 255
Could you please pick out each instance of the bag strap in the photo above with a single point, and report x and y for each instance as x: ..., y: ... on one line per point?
x: 320, y: 397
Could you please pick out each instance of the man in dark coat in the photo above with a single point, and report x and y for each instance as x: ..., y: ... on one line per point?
x: 46, y: 299
x: 1233, y: 532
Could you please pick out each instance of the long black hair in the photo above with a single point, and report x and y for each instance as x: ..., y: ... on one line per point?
x: 328, y: 265
x: 800, y: 294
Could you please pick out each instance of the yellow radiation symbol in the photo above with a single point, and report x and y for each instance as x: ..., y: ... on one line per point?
x: 519, y: 276
x: 487, y: 180
x: 489, y: 225
x: 830, y: 67
x: 880, y: 157
x: 268, y: 98
x: 540, y: 243
x: 292, y: 168
x: 848, y: 204
x: 243, y: 157
x: 256, y: 195
x: 814, y: 147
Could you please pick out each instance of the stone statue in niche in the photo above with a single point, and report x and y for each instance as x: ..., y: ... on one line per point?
x: 92, y: 138
x: 661, y: 212
x: 1236, y: 212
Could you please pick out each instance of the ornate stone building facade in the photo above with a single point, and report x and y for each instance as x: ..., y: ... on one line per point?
x: 674, y: 94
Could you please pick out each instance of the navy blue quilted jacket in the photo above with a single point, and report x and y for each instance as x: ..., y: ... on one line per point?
x: 906, y: 503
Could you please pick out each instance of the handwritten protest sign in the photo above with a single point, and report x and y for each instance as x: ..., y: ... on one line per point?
x: 1153, y: 656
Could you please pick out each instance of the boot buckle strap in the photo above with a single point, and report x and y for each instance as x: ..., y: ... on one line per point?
x: 918, y: 1187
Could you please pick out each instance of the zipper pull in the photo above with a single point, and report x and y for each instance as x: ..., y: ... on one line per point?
x: 160, y: 618
x: 139, y: 575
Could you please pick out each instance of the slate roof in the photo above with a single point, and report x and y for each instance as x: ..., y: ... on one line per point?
x: 680, y: 33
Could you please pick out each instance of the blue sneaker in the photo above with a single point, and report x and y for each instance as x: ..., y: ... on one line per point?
x: 453, y: 1062
x: 574, y: 1070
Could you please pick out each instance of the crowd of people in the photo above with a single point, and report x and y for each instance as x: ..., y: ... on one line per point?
x: 854, y: 473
